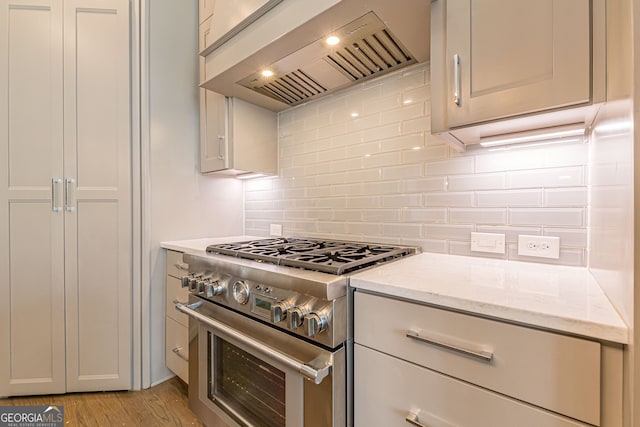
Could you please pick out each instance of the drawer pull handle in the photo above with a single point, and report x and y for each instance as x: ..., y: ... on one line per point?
x: 177, y: 351
x: 181, y: 266
x: 413, y: 420
x: 485, y: 356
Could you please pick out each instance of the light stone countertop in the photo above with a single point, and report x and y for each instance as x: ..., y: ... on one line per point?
x: 565, y: 299
x: 561, y: 298
x: 199, y: 246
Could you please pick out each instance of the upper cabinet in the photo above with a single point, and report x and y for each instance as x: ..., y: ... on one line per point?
x: 236, y: 137
x: 227, y: 18
x: 499, y: 59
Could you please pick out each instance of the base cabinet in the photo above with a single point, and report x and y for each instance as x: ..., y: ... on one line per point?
x: 438, y: 367
x: 392, y: 392
x: 176, y: 323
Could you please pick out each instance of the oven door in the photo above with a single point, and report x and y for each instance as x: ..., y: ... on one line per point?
x: 251, y: 374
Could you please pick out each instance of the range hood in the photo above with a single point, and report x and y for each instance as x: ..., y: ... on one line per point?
x: 375, y: 37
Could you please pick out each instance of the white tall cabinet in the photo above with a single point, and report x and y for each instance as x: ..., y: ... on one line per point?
x: 65, y: 196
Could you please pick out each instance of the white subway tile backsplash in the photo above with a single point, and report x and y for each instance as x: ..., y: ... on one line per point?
x: 382, y: 177
x: 568, y: 217
x: 509, y: 198
x: 562, y: 197
x: 556, y: 177
x: 476, y: 182
x: 449, y: 199
x: 461, y: 165
x: 477, y: 216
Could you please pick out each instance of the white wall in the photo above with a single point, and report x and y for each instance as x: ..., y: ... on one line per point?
x: 181, y: 203
x: 381, y: 176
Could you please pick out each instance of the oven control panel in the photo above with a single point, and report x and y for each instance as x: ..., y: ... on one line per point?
x: 300, y: 314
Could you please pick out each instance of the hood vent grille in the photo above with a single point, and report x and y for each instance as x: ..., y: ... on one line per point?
x: 371, y: 55
x: 368, y: 49
x: 292, y: 88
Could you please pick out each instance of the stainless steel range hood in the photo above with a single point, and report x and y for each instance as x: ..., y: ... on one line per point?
x: 376, y: 37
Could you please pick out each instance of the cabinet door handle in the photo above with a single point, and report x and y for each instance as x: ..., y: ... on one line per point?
x: 456, y: 80
x: 177, y: 351
x: 68, y: 204
x: 220, y: 144
x: 414, y: 420
x: 485, y: 356
x: 181, y: 266
x: 54, y: 194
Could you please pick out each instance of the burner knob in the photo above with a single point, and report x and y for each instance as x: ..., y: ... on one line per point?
x: 241, y: 292
x: 184, y: 280
x: 215, y: 288
x: 316, y: 323
x: 279, y: 311
x: 193, y: 282
x: 296, y: 317
x: 200, y: 287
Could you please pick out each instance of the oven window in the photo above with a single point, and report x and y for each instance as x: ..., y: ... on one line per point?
x: 248, y: 385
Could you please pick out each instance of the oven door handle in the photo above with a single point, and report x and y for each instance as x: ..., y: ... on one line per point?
x: 316, y: 370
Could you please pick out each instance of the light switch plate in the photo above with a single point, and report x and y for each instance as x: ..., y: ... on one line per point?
x: 539, y: 246
x: 275, y: 230
x: 487, y: 242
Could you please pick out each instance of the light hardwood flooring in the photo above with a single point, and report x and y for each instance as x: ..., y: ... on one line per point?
x: 163, y: 405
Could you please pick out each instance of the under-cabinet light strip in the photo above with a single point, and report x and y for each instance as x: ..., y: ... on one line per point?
x: 544, y: 134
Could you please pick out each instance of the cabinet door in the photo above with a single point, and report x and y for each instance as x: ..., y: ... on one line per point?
x: 98, y: 212
x: 214, y: 135
x: 515, y: 57
x: 391, y: 392
x: 31, y: 232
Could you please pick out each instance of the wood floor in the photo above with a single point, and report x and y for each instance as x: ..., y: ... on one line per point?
x: 163, y: 405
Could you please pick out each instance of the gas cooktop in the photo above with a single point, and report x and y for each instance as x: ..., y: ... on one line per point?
x: 329, y: 256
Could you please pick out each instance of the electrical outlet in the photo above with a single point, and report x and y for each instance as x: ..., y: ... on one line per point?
x: 275, y: 230
x: 539, y: 246
x: 487, y: 242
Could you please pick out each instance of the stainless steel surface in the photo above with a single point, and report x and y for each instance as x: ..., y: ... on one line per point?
x: 54, y: 194
x: 316, y: 373
x: 413, y: 419
x: 305, y: 68
x: 309, y: 404
x: 483, y: 355
x: 456, y: 80
x: 181, y: 266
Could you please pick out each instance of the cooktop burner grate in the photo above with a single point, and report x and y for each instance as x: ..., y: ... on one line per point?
x: 329, y: 256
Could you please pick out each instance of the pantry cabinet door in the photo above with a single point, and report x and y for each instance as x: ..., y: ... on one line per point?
x: 98, y: 209
x: 513, y: 57
x: 32, y: 335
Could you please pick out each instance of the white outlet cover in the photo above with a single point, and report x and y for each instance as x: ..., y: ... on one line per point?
x: 275, y: 230
x: 539, y: 246
x: 487, y: 242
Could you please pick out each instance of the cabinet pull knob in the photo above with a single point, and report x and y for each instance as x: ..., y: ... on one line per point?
x: 177, y: 351
x: 485, y: 356
x: 456, y: 80
x: 54, y: 194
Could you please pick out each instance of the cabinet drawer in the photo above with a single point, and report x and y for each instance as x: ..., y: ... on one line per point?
x: 175, y: 266
x: 175, y: 291
x: 387, y: 390
x: 177, y: 348
x: 553, y: 371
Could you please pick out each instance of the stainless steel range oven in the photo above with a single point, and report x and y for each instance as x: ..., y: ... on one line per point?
x: 268, y: 330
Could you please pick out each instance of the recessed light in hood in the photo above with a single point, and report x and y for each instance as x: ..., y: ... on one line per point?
x: 375, y: 37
